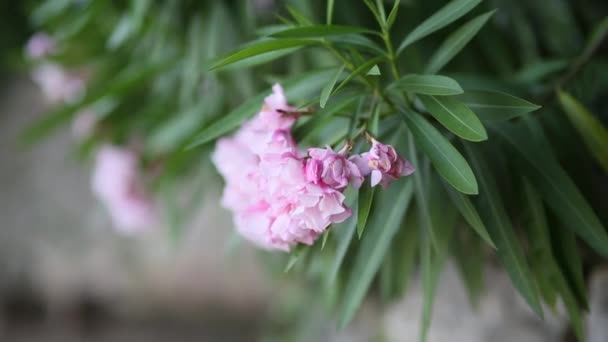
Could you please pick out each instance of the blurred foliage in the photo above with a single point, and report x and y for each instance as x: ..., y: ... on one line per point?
x: 162, y: 72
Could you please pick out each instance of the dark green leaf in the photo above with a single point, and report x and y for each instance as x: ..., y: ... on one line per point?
x: 384, y: 223
x: 443, y: 17
x: 319, y: 31
x: 428, y: 85
x: 509, y: 249
x: 455, y: 42
x: 455, y: 116
x: 329, y: 13
x: 323, y: 116
x: 344, y: 232
x: 366, y: 195
x: 261, y: 48
x: 590, y: 128
x: 446, y: 159
x: 298, y: 87
x: 470, y: 214
x: 299, y: 17
x: 470, y: 259
x: 557, y: 189
x: 393, y: 14
x: 496, y: 106
x: 360, y: 70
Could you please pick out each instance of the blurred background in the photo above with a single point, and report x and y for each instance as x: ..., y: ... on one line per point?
x: 66, y: 274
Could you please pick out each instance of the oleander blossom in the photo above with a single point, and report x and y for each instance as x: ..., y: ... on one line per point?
x: 57, y: 84
x: 116, y: 183
x: 40, y: 45
x: 383, y: 163
x: 332, y: 169
x: 273, y: 203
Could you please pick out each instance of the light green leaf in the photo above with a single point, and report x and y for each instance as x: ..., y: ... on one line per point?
x: 299, y: 17
x: 455, y: 42
x: 374, y: 71
x: 298, y: 87
x: 509, y: 249
x: 325, y: 236
x: 556, y: 187
x: 455, y: 116
x: 261, y: 48
x: 330, y: 11
x: 428, y: 85
x: 319, y: 31
x: 493, y: 106
x: 469, y: 212
x: 443, y: 17
x: 364, y: 205
x: 384, y: 223
x: 447, y: 160
x: 594, y: 134
x: 326, y: 92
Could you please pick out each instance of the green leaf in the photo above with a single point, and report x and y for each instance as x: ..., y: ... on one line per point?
x: 493, y: 106
x: 329, y: 12
x: 345, y: 232
x: 374, y: 71
x: 326, y: 92
x: 469, y: 254
x: 509, y: 249
x: 299, y: 17
x: 373, y: 126
x: 455, y: 42
x: 319, y: 31
x: 428, y: 85
x: 358, y: 41
x: 404, y: 252
x: 455, y: 116
x: 323, y: 116
x: 447, y: 160
x: 325, y: 236
x: 556, y: 187
x: 551, y: 274
x: 261, y: 48
x: 299, y: 87
x: 360, y: 70
x: 469, y: 212
x: 364, y: 205
x: 568, y: 257
x: 393, y: 14
x: 594, y: 134
x: 443, y: 17
x: 384, y: 224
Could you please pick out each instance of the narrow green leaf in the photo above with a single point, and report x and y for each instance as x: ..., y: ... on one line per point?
x: 329, y: 12
x: 360, y: 70
x: 299, y: 17
x: 594, y: 134
x: 374, y: 71
x: 469, y: 254
x: 552, y: 277
x: 383, y: 226
x: 319, y: 31
x: 428, y: 85
x: 325, y: 236
x: 261, y: 48
x: 405, y: 249
x: 455, y: 42
x: 447, y: 160
x: 509, y: 249
x: 303, y: 131
x: 455, y: 116
x: 358, y: 41
x: 380, y: 7
x: 298, y: 87
x: 326, y: 92
x: 366, y: 195
x: 443, y: 17
x: 470, y: 214
x: 344, y: 232
x: 373, y: 125
x: 556, y: 187
x: 493, y: 106
x: 567, y: 255
x: 293, y: 259
x: 393, y: 14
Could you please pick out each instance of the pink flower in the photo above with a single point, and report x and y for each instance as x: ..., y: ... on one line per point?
x: 57, y: 85
x: 331, y: 169
x: 40, y: 45
x: 84, y: 124
x: 384, y: 164
x: 117, y: 185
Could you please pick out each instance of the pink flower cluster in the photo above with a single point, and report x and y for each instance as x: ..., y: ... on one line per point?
x: 280, y: 197
x: 116, y: 183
